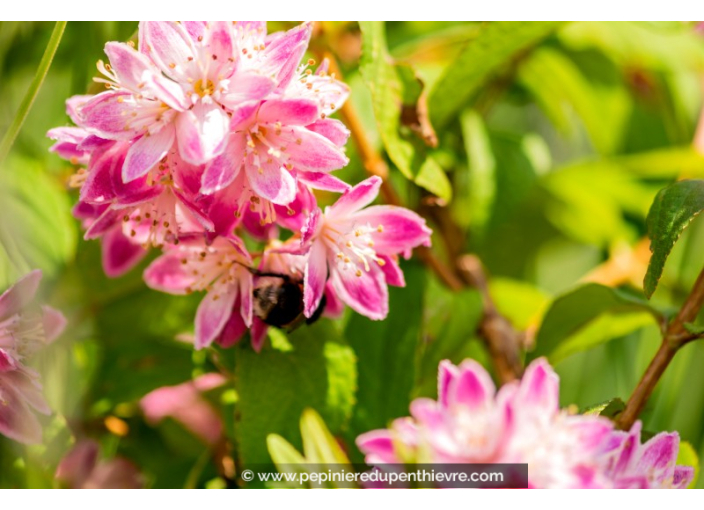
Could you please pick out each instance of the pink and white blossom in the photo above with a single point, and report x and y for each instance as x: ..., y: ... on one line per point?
x: 355, y: 248
x: 220, y: 268
x: 472, y: 422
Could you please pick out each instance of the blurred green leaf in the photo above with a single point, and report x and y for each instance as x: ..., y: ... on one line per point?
x: 386, y: 353
x: 449, y: 329
x: 275, y: 387
x: 36, y: 227
x: 567, y: 86
x: 321, y: 451
x: 687, y: 456
x: 476, y: 204
x: 391, y: 88
x: 495, y: 46
x: 672, y: 211
x: 319, y: 445
x: 573, y: 311
x: 609, y: 409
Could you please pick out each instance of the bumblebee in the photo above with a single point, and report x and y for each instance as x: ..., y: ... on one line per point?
x: 278, y: 301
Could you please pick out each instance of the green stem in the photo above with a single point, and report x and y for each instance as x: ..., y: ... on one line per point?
x: 32, y: 91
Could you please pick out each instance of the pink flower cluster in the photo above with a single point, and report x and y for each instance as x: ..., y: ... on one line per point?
x: 209, y: 132
x: 522, y: 423
x: 24, y: 328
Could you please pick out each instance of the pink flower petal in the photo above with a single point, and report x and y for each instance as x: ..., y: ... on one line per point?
x: 295, y: 112
x: 169, y: 46
x: 539, y: 387
x: 392, y: 273
x: 284, y: 52
x: 234, y: 330
x: 17, y: 421
x: 119, y: 254
x: 356, y: 198
x: 323, y: 181
x: 474, y: 387
x: 258, y: 334
x: 332, y: 129
x: 54, y: 323
x: 271, y: 181
x: 366, y: 294
x: 166, y: 274
x: 245, y: 87
x: 146, y: 152
x: 220, y: 172
x: 402, y: 229
x: 107, y: 115
x: 212, y: 315
x: 316, y: 273
x: 128, y: 65
x: 447, y: 373
x: 202, y: 133
x: 309, y: 151
x: 105, y: 222
x: 14, y: 299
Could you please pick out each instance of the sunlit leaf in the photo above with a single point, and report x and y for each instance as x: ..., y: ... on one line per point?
x: 391, y: 87
x: 494, y: 47
x: 573, y: 311
x: 672, y: 211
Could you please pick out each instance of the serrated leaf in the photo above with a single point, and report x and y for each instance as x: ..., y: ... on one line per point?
x: 673, y: 209
x: 36, y: 227
x: 391, y: 88
x: 275, y: 386
x: 497, y: 43
x: 695, y: 329
x: 571, y: 312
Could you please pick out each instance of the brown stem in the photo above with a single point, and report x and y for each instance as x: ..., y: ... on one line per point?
x: 501, y: 339
x: 675, y: 337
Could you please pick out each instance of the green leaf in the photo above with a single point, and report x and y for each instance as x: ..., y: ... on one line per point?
x: 392, y: 88
x: 609, y: 409
x: 496, y: 45
x: 36, y: 227
x: 319, y: 445
x: 449, y: 328
x: 282, y: 452
x: 477, y: 203
x: 695, y: 329
x: 321, y: 452
x: 687, y: 456
x: 386, y: 353
x: 315, y: 370
x: 568, y: 86
x: 672, y: 211
x: 573, y: 311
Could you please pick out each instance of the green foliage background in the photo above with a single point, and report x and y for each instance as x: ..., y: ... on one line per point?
x: 554, y: 140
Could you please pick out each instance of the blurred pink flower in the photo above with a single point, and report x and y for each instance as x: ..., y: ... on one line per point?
x: 185, y: 403
x: 80, y: 469
x: 522, y: 423
x: 24, y: 329
x: 651, y: 465
x: 356, y: 248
